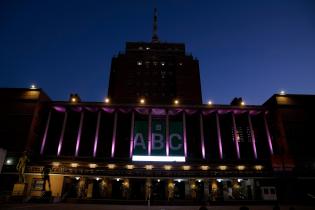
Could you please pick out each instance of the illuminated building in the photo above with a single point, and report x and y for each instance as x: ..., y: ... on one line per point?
x: 141, y: 145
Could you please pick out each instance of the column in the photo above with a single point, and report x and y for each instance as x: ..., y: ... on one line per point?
x: 203, y: 152
x: 206, y: 186
x: 62, y: 133
x: 79, y: 134
x: 131, y: 133
x: 252, y: 134
x: 236, y: 137
x: 45, y: 134
x: 268, y: 134
x: 167, y: 133
x: 185, y: 135
x: 114, y: 135
x: 97, y: 132
x: 149, y: 132
x: 219, y: 135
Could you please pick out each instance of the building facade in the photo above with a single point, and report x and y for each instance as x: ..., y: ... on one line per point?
x: 153, y: 139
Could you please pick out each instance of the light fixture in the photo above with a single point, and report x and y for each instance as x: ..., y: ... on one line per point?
x: 158, y: 158
x: 73, y: 99
x: 282, y: 92
x: 74, y: 165
x: 107, y: 100
x: 222, y: 168
x: 199, y: 180
x: 219, y: 180
x: 178, y: 180
x: 240, y: 167
x: 111, y: 166
x: 77, y: 178
x: 176, y: 101
x: 239, y: 180
x: 243, y: 103
x: 56, y: 164
x: 33, y: 86
x: 97, y: 178
x: 204, y: 168
x: 167, y: 167
x: 149, y: 167
x: 117, y: 179
x: 158, y: 180
x: 130, y: 167
x: 92, y: 165
x: 186, y: 168
x: 209, y: 102
x: 139, y: 63
x: 147, y: 48
x: 258, y: 167
x: 142, y: 101
x: 9, y: 161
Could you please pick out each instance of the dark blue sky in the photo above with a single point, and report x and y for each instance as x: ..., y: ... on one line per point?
x: 248, y: 48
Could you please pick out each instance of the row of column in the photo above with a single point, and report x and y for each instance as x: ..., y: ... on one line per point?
x: 61, y: 139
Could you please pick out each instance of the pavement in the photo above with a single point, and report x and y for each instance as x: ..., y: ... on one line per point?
x: 62, y: 206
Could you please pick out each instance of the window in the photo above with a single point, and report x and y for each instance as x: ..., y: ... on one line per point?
x: 139, y: 63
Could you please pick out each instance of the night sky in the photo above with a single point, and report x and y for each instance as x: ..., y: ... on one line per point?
x: 246, y: 48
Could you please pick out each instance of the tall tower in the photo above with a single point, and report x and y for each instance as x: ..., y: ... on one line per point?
x: 159, y: 72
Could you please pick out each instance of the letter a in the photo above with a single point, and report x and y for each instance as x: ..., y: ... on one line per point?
x: 139, y: 141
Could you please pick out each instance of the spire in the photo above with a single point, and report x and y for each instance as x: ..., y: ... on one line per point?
x: 155, y: 37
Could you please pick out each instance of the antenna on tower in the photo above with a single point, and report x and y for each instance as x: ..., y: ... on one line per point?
x: 155, y: 37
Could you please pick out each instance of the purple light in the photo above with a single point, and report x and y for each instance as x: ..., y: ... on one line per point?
x: 185, y: 138
x: 268, y: 134
x: 45, y: 134
x: 108, y: 110
x: 79, y: 135
x: 219, y: 135
x: 114, y: 135
x: 252, y: 135
x: 60, y: 108
x: 236, y: 137
x: 97, y: 132
x: 202, y: 138
x: 131, y: 133
x: 62, y: 133
x: 149, y: 134
x: 167, y: 136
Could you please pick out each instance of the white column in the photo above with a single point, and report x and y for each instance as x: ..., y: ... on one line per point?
x: 62, y: 133
x: 185, y: 135
x: 97, y: 132
x: 219, y: 135
x: 235, y: 137
x: 45, y: 134
x: 79, y: 134
x: 203, y: 152
x: 114, y: 135
x: 131, y: 133
x: 268, y: 134
x: 252, y: 134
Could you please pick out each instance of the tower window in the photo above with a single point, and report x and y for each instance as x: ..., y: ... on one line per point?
x: 139, y: 63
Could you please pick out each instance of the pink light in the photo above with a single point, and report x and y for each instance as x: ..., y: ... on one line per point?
x: 268, y: 134
x: 219, y: 135
x: 236, y: 137
x: 202, y: 138
x: 167, y: 136
x: 185, y: 137
x: 79, y: 135
x: 252, y: 135
x: 131, y: 133
x: 114, y: 135
x: 62, y: 133
x: 150, y: 134
x: 96, y: 133
x: 45, y: 134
